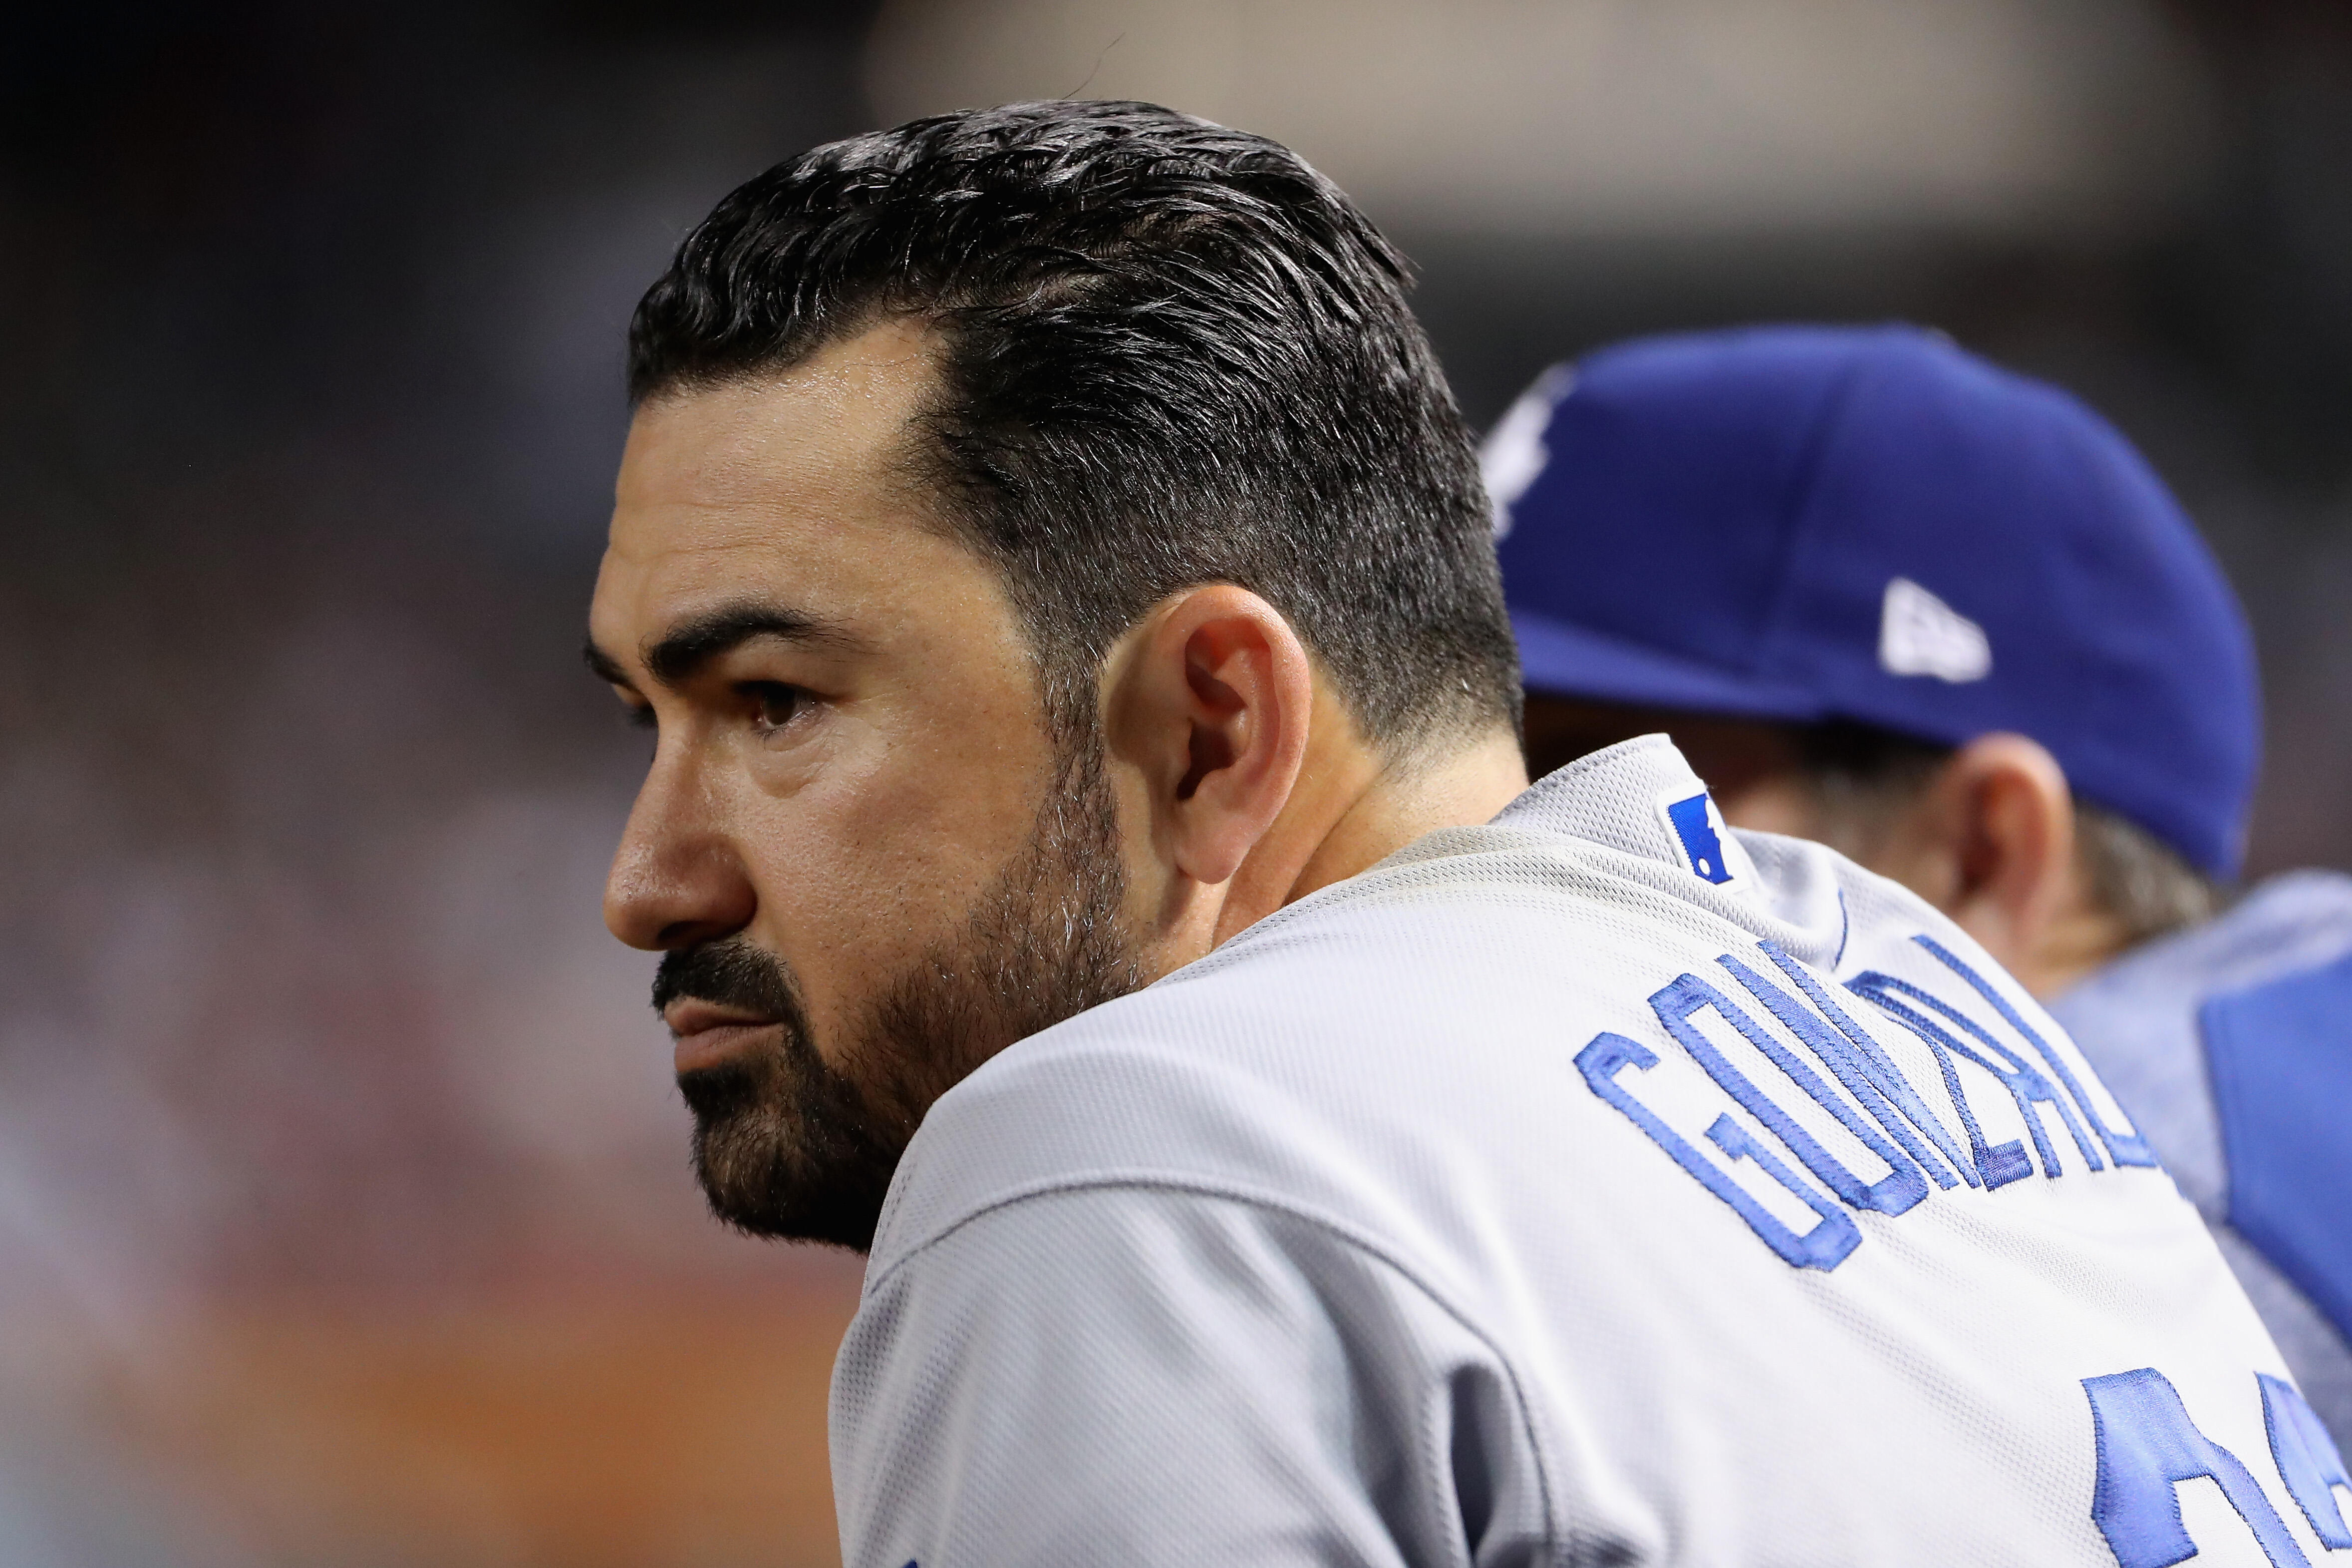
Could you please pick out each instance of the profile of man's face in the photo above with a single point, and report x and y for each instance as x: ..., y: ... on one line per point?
x: 867, y: 859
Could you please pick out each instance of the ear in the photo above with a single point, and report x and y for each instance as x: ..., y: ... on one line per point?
x: 1212, y: 708
x: 1991, y: 843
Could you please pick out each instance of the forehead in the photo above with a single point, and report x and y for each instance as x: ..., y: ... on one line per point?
x: 790, y: 488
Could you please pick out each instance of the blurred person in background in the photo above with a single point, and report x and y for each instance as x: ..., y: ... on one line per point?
x: 1943, y: 617
x: 1058, y: 584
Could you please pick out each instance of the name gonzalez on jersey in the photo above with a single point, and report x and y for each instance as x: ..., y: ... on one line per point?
x: 1767, y: 1036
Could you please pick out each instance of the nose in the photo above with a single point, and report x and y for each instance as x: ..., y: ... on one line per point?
x: 676, y: 879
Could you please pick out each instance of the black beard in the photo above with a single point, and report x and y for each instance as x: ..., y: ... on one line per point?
x: 786, y: 1144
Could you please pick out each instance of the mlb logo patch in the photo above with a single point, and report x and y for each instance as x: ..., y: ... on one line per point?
x: 1699, y: 828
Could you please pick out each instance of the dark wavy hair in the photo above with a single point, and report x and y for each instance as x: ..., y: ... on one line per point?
x: 1171, y: 354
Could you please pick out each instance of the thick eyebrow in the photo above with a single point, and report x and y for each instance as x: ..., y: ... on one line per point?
x: 693, y: 644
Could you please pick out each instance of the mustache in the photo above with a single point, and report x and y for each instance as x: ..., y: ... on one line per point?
x: 730, y: 972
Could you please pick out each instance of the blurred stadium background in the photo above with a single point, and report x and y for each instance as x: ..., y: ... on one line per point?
x: 344, y: 1214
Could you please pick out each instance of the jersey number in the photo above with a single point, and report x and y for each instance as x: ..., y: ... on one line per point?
x: 2148, y: 1445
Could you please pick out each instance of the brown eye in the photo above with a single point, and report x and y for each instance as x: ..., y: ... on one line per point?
x: 774, y: 704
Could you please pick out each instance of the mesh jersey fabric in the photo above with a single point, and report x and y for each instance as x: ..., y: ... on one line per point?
x: 2137, y: 1020
x: 1534, y: 1198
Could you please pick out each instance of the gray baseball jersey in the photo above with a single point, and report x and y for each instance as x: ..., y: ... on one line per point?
x: 1597, y: 1185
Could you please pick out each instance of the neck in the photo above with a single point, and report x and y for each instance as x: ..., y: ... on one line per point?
x: 1349, y: 810
x: 2081, y: 938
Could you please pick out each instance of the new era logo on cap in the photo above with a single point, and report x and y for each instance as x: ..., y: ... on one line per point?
x: 1801, y: 524
x: 1918, y: 634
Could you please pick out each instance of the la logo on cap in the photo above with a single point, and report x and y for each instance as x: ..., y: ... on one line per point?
x: 1918, y: 634
x: 1514, y: 455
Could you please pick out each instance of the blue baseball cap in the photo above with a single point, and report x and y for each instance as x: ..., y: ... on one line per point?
x: 1802, y: 523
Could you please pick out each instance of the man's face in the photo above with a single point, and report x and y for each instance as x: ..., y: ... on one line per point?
x: 867, y: 863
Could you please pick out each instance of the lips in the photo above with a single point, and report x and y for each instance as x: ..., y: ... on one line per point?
x: 709, y: 1034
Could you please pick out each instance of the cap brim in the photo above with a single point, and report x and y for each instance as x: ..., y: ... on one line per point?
x: 1562, y: 660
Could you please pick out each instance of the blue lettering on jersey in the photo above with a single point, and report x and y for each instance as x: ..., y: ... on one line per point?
x: 1901, y: 1187
x: 2308, y: 1460
x: 2006, y: 1163
x: 2146, y: 1446
x: 1859, y: 1063
x: 2125, y: 1146
x: 1824, y: 1246
x: 1701, y: 847
x: 1820, y: 1052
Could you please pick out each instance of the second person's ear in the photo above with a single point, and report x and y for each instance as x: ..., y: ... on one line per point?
x: 1991, y: 843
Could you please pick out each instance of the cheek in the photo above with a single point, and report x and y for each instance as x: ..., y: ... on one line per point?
x: 857, y: 874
